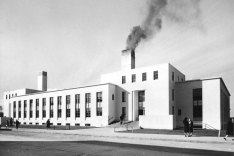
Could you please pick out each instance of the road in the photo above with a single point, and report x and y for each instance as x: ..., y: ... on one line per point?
x: 49, y: 144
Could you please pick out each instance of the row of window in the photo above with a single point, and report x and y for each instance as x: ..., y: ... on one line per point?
x: 11, y: 95
x: 59, y: 106
x: 144, y: 77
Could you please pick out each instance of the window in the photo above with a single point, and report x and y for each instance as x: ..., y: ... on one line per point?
x: 173, y: 110
x: 19, y: 110
x: 15, y: 94
x: 25, y: 108
x: 113, y: 97
x: 173, y: 95
x: 133, y: 78
x: 197, y: 104
x: 178, y: 78
x: 123, y: 96
x: 99, y: 103
x: 143, y: 76
x: 87, y: 105
x: 6, y: 96
x: 44, y: 107
x: 77, y: 105
x: 30, y: 108
x: 59, y: 99
x: 37, y: 108
x: 51, y: 107
x: 14, y: 109
x: 179, y: 112
x: 155, y: 75
x: 68, y: 110
x: 172, y: 76
x: 123, y: 79
x: 141, y: 100
x: 182, y: 79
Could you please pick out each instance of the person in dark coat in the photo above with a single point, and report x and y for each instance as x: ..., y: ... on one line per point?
x: 48, y: 123
x: 229, y: 130
x: 11, y: 122
x: 190, y: 127
x: 185, y: 122
x: 17, y: 124
x: 121, y: 119
x: 7, y: 124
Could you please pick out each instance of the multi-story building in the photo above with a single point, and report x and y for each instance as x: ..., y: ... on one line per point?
x: 157, y: 96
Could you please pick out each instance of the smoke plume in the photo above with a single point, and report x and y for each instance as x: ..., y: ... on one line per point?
x: 174, y: 10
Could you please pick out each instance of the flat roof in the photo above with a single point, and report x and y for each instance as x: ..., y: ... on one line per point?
x: 206, y: 79
x: 42, y: 92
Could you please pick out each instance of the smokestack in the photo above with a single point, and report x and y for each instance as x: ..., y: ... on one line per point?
x: 42, y: 81
x: 128, y: 59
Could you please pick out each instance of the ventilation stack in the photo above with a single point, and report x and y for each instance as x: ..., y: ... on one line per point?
x: 42, y: 81
x: 128, y: 59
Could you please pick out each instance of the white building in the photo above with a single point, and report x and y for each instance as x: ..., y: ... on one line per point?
x: 156, y: 96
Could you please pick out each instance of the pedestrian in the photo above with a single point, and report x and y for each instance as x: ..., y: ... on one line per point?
x: 17, y: 124
x: 121, y: 119
x: 11, y: 122
x: 229, y: 130
x: 48, y: 123
x: 185, y: 122
x: 190, y: 127
x: 7, y: 123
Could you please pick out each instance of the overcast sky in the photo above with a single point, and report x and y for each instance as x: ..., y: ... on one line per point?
x: 76, y: 41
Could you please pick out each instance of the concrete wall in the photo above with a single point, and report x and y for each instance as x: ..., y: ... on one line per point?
x: 157, y: 92
x: 184, y: 100
x: 211, y: 103
x: 94, y: 120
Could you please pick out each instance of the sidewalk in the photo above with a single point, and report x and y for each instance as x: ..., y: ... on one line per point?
x: 108, y: 134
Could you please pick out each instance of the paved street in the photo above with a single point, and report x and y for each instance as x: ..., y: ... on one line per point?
x: 104, y: 141
x: 96, y: 148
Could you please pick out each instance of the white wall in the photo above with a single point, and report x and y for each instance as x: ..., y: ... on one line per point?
x: 211, y: 103
x: 94, y: 120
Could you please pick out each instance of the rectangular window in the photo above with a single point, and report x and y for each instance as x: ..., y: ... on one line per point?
x: 99, y: 103
x: 25, y: 108
x: 77, y: 105
x: 179, y: 112
x: 143, y: 76
x: 178, y: 78
x: 51, y: 107
x: 68, y: 110
x: 173, y: 95
x: 155, y: 75
x: 182, y: 80
x: 141, y: 100
x: 6, y: 96
x: 173, y: 110
x: 87, y: 105
x: 123, y: 79
x: 59, y: 99
x: 123, y: 96
x: 19, y: 109
x: 44, y: 107
x: 172, y: 76
x: 37, y: 108
x: 30, y: 108
x: 133, y: 78
x: 197, y: 104
x: 113, y: 97
x: 14, y: 109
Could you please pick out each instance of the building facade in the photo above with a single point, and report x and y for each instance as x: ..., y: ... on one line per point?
x: 158, y: 97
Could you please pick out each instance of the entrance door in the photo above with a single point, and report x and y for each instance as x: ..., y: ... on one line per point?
x: 141, y: 100
x: 124, y: 111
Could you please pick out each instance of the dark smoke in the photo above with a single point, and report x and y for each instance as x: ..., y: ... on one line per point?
x: 152, y: 23
x: 182, y: 11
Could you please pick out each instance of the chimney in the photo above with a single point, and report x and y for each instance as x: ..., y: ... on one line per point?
x: 128, y: 59
x: 42, y: 81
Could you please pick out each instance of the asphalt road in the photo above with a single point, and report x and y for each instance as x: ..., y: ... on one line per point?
x: 94, y: 148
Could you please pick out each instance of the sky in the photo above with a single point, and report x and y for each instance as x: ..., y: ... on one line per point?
x: 76, y: 41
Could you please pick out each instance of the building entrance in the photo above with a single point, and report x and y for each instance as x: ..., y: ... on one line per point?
x: 197, y: 107
x: 141, y: 100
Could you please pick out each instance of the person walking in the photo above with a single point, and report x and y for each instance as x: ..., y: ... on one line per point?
x: 7, y: 124
x: 185, y: 122
x: 17, y: 124
x: 229, y: 130
x: 190, y: 127
x: 48, y: 123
